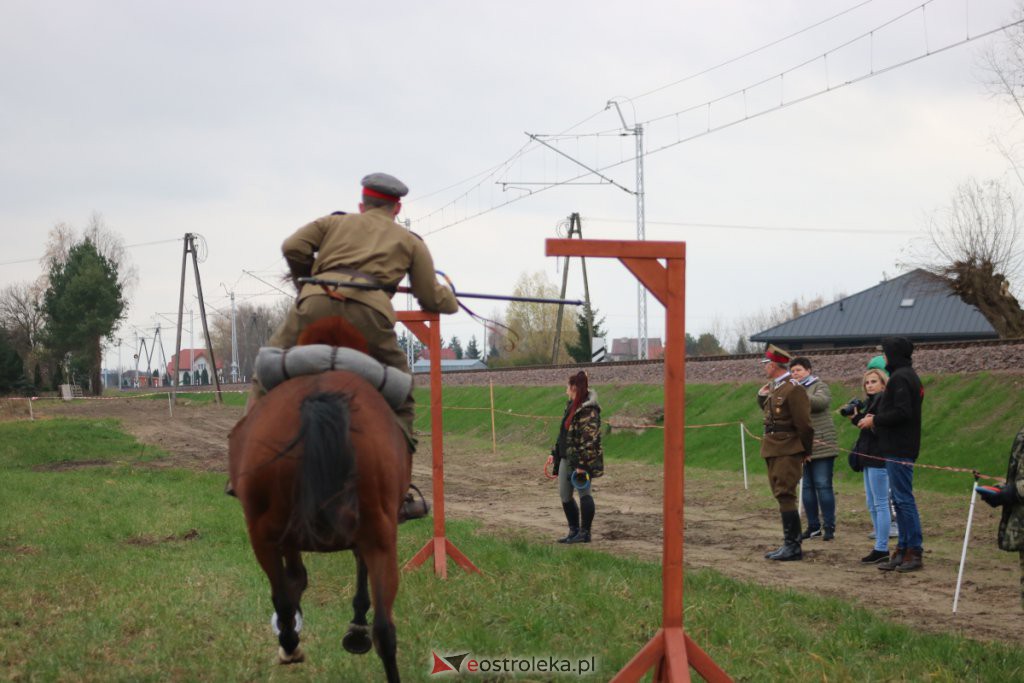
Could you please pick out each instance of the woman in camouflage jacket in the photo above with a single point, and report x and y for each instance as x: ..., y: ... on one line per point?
x: 1011, y: 497
x: 578, y: 454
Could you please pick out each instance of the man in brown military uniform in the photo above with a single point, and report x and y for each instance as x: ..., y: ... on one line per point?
x: 788, y: 438
x: 368, y: 248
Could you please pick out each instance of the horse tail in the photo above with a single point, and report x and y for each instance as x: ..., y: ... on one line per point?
x: 326, y: 508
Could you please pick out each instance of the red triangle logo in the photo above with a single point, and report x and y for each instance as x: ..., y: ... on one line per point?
x: 440, y: 665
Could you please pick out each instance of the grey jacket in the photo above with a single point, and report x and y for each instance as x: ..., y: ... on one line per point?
x: 821, y: 418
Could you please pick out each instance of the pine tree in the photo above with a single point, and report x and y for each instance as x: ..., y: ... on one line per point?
x: 456, y: 346
x: 471, y: 349
x: 582, y: 351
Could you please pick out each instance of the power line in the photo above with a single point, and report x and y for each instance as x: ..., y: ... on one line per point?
x: 750, y: 53
x: 853, y: 231
x: 127, y: 246
x: 747, y: 115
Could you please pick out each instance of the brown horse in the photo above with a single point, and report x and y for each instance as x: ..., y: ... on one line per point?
x: 319, y: 464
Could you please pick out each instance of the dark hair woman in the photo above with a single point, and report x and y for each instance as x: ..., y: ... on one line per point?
x: 577, y: 456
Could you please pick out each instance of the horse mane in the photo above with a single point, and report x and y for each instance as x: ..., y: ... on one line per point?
x: 334, y: 331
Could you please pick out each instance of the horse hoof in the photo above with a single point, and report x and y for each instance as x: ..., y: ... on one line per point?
x: 357, y: 640
x: 294, y: 658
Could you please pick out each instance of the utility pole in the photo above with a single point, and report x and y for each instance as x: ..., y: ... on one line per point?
x: 641, y: 229
x: 234, y: 344
x: 190, y: 248
x: 234, y: 337
x: 410, y: 340
x: 575, y: 228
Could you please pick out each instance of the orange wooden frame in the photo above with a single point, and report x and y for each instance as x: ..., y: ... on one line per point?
x: 670, y: 652
x: 427, y: 328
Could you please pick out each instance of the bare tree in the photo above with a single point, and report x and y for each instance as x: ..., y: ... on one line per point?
x: 1002, y: 69
x: 768, y: 318
x: 21, y: 316
x: 534, y: 323
x: 975, y: 248
x: 255, y: 324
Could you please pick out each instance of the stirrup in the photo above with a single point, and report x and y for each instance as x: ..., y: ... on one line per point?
x: 412, y: 508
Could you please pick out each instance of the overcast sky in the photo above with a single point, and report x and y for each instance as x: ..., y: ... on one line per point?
x: 244, y: 121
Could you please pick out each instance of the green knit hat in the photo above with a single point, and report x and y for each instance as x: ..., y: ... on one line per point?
x: 877, y: 363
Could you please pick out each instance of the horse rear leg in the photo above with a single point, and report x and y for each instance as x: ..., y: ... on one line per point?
x: 357, y: 639
x: 285, y: 608
x: 382, y: 564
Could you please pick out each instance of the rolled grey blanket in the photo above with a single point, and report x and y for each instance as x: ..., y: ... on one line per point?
x: 274, y: 365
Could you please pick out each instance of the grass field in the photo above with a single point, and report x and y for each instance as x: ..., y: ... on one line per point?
x: 112, y: 570
x: 969, y: 421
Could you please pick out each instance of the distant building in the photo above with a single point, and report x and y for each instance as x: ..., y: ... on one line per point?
x: 449, y: 364
x: 625, y: 348
x: 916, y: 305
x: 194, y: 361
x: 446, y: 353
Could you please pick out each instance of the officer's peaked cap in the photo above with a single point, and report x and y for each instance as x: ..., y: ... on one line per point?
x: 384, y: 186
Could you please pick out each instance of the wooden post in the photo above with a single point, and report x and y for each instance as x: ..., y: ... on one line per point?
x: 31, y: 415
x: 427, y: 328
x: 743, y: 451
x: 670, y: 653
x: 494, y: 433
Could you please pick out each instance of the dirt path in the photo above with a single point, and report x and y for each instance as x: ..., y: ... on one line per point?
x: 727, y: 528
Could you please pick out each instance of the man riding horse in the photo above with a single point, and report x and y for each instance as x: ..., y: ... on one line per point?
x: 368, y: 248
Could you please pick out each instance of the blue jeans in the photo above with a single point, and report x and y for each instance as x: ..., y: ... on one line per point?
x: 876, y: 492
x: 901, y: 483
x: 817, y: 491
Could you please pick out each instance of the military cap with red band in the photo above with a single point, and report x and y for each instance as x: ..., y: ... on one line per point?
x: 773, y: 354
x: 384, y: 186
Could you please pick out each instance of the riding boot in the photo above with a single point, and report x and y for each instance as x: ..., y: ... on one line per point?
x: 572, y: 516
x: 412, y: 508
x: 587, y: 505
x: 772, y: 553
x: 791, y: 527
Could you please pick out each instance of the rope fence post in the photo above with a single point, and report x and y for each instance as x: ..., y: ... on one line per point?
x: 494, y: 433
x: 170, y: 404
x: 967, y: 537
x: 31, y: 415
x: 743, y: 449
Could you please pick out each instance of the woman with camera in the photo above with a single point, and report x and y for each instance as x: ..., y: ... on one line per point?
x: 818, y: 496
x: 577, y: 456
x: 876, y: 479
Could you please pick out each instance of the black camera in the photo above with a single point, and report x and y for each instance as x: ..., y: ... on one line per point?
x: 854, y: 405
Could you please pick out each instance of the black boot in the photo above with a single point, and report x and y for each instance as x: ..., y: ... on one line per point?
x: 572, y: 516
x: 412, y: 508
x: 830, y: 533
x: 791, y: 528
x: 587, y: 504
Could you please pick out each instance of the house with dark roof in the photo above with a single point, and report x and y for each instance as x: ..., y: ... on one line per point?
x: 449, y: 364
x: 916, y: 305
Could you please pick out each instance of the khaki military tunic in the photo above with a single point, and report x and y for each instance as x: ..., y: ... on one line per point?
x: 788, y: 437
x: 374, y: 245
x: 369, y: 248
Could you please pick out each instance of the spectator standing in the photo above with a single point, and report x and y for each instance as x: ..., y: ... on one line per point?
x: 1010, y: 496
x: 818, y: 495
x: 897, y: 422
x: 787, y: 442
x: 876, y: 477
x: 577, y: 457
